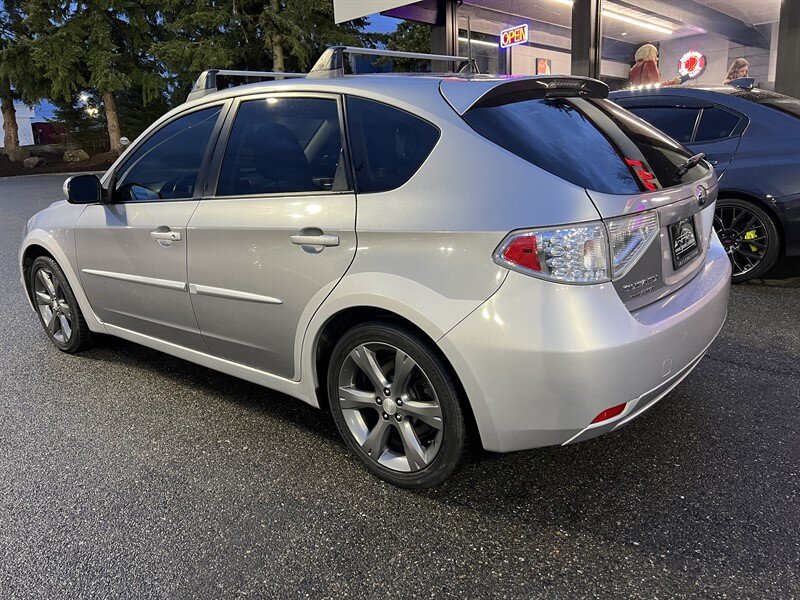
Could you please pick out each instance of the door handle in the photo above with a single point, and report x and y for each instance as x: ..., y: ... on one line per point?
x: 323, y: 239
x: 165, y: 236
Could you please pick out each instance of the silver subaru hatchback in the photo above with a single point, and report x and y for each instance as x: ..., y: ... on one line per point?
x: 438, y: 261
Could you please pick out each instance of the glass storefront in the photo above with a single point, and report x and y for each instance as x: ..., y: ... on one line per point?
x: 699, y: 39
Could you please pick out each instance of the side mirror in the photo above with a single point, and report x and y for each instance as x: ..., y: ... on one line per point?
x: 83, y: 189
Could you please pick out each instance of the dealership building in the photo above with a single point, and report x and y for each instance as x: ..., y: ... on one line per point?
x: 599, y: 38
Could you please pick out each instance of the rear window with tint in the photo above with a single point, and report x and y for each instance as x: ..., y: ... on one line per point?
x: 677, y: 122
x: 584, y: 142
x: 716, y: 124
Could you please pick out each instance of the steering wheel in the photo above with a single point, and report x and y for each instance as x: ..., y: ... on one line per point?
x: 180, y: 187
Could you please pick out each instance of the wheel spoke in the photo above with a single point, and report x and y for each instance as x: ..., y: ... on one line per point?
x: 65, y: 328
x: 42, y: 299
x: 65, y: 309
x: 52, y: 322
x: 47, y: 281
x: 747, y: 253
x: 754, y: 243
x: 736, y: 218
x: 427, y: 412
x: 375, y: 444
x: 412, y: 446
x: 403, y: 366
x: 365, y: 360
x: 352, y: 398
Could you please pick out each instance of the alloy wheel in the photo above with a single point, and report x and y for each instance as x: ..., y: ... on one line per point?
x: 52, y: 304
x: 743, y: 235
x: 390, y: 407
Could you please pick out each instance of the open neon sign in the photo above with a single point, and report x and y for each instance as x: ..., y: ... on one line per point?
x: 513, y: 36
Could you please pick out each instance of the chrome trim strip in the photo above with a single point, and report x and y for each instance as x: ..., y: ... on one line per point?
x: 167, y: 284
x: 207, y: 290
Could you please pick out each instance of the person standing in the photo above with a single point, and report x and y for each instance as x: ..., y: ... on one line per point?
x: 739, y: 68
x: 645, y: 71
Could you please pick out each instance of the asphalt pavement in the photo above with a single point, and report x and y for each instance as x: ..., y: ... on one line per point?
x: 125, y: 472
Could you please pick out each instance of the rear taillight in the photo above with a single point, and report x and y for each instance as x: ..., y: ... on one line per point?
x: 629, y: 237
x: 587, y: 253
x: 576, y: 254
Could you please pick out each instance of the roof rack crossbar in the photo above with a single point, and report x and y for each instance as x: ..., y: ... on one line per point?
x: 332, y: 61
x: 207, y: 81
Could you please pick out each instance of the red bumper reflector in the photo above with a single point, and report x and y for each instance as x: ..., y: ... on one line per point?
x: 610, y: 413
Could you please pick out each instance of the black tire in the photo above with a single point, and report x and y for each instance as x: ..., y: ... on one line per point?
x: 73, y: 337
x: 428, y: 385
x: 749, y: 236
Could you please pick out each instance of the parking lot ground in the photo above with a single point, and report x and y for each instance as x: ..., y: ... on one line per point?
x: 125, y: 472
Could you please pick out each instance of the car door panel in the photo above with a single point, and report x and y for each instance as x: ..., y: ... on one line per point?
x: 251, y: 284
x: 132, y: 280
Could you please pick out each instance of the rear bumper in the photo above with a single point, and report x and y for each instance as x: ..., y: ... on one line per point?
x: 540, y: 360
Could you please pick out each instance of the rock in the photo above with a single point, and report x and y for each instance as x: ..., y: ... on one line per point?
x: 75, y: 156
x: 33, y: 162
x: 19, y: 154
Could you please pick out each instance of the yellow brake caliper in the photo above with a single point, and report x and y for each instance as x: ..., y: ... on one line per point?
x: 751, y: 235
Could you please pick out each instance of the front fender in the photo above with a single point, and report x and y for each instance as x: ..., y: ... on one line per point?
x: 59, y: 242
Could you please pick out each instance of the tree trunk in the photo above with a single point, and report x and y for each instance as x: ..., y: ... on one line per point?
x: 10, y: 127
x: 277, y: 41
x: 114, y: 133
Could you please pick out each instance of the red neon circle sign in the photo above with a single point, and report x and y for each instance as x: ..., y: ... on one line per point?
x: 692, y: 64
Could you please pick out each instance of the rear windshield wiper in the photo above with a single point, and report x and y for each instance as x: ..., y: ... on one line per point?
x: 683, y: 168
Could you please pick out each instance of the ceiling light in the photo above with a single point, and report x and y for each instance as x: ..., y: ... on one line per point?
x: 638, y: 22
x: 479, y: 42
x: 625, y: 19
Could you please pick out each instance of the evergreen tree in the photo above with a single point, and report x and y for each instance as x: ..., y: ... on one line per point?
x: 99, y: 45
x: 18, y: 81
x: 277, y: 35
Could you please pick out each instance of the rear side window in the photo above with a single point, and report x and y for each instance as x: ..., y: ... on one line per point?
x: 555, y: 135
x: 388, y: 144
x: 715, y: 124
x: 283, y: 145
x: 677, y: 122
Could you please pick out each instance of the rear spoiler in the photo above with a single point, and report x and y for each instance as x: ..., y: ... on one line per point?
x: 496, y: 92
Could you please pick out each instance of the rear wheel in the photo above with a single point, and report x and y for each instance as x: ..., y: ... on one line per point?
x: 57, y: 307
x: 748, y: 235
x: 396, y: 405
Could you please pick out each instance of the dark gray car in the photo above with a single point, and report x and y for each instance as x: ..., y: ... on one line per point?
x: 752, y: 137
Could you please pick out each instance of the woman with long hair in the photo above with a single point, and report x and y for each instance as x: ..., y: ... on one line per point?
x: 645, y: 71
x: 738, y: 69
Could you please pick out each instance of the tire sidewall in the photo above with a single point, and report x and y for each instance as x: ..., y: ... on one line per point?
x: 455, y: 432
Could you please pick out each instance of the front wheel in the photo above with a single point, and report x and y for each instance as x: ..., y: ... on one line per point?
x: 748, y: 235
x: 396, y: 405
x: 57, y: 307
